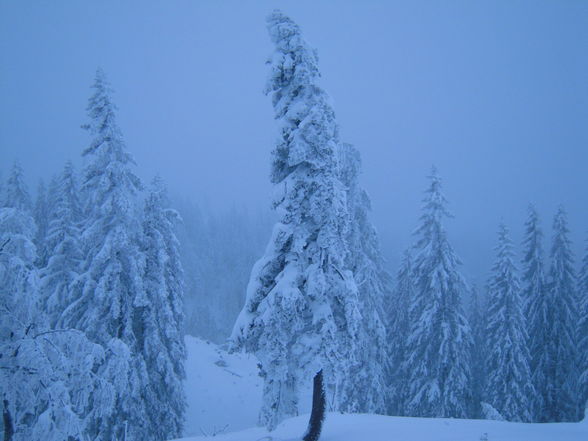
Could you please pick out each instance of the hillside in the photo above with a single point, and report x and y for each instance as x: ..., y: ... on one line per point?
x: 224, y: 396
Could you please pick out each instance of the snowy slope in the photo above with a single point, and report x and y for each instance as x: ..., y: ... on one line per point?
x: 223, y: 390
x: 224, y: 397
x: 382, y: 428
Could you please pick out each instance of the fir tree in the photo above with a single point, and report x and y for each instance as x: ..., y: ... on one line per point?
x: 362, y: 389
x: 63, y: 244
x: 536, y: 301
x: 16, y: 192
x: 397, y: 332
x: 159, y: 318
x: 301, y: 314
x: 561, y: 399
x: 508, y: 386
x: 440, y: 337
x: 103, y: 300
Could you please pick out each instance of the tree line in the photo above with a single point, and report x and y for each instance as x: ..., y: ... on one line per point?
x: 91, y: 299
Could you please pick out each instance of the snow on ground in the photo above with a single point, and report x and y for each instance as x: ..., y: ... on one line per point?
x: 385, y: 428
x: 223, y: 390
x: 224, y: 397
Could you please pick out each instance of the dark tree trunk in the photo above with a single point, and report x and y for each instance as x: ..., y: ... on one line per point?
x: 7, y: 420
x: 319, y: 405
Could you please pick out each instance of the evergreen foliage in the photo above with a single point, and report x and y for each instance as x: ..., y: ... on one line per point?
x: 535, y: 297
x: 302, y: 313
x: 397, y: 332
x: 440, y: 337
x: 508, y: 385
x: 159, y: 318
x: 361, y: 390
x: 561, y: 368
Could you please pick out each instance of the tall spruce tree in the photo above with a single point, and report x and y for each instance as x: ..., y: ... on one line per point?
x: 536, y: 301
x: 397, y: 332
x: 440, y: 337
x: 63, y: 245
x: 159, y: 318
x: 583, y: 332
x: 301, y: 316
x: 362, y: 390
x: 508, y: 385
x: 561, y: 399
x: 103, y: 302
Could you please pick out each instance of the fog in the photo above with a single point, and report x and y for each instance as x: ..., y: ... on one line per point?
x: 493, y: 93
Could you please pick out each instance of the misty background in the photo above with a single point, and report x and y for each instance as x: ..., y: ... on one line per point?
x: 494, y: 93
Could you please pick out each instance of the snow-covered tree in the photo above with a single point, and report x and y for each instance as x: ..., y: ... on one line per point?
x: 397, y: 335
x: 583, y: 331
x: 159, y: 316
x: 508, y: 385
x: 536, y: 301
x: 63, y: 245
x: 561, y: 370
x: 104, y: 296
x: 478, y: 321
x: 41, y: 217
x: 46, y: 374
x: 438, y: 362
x: 16, y: 194
x: 363, y: 389
x: 301, y: 316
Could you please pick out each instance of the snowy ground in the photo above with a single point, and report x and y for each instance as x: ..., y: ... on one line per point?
x: 383, y: 428
x: 223, y: 390
x: 224, y: 396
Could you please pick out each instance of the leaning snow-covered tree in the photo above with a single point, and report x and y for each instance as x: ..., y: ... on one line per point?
x: 362, y: 388
x: 103, y: 299
x: 440, y: 337
x: 508, y: 386
x: 301, y: 315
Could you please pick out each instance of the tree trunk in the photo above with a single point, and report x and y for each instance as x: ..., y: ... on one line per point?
x: 319, y: 404
x: 7, y: 420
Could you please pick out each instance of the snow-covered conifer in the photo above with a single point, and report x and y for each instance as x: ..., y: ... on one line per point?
x: 363, y: 390
x: 508, y: 385
x: 48, y: 383
x: 301, y: 316
x: 536, y: 302
x: 16, y: 194
x: 561, y: 369
x: 397, y: 334
x: 478, y: 321
x: 103, y: 299
x: 41, y: 216
x: 159, y: 314
x: 438, y: 362
x: 63, y: 245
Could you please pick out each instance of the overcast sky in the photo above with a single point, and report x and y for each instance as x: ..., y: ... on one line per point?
x: 495, y: 93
